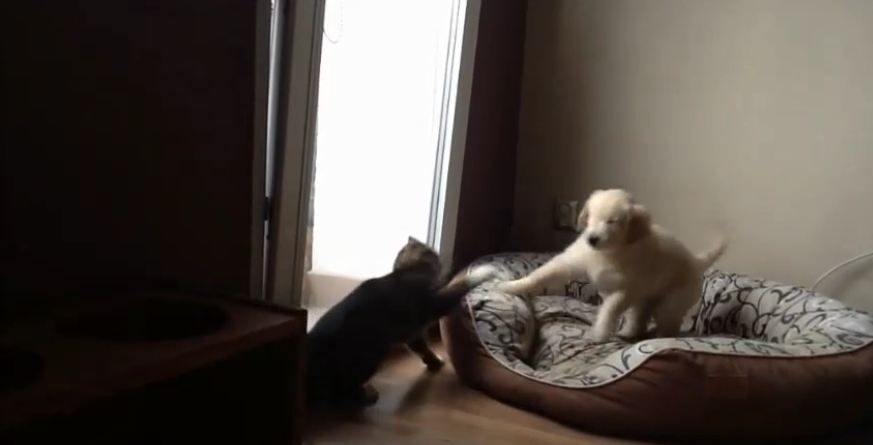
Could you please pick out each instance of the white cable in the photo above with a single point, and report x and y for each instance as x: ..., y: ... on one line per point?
x: 340, y: 32
x: 839, y: 266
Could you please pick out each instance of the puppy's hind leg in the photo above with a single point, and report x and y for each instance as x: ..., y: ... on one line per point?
x: 607, y: 317
x: 671, y: 311
x: 636, y: 321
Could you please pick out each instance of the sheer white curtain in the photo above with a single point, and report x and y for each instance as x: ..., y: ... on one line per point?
x: 381, y: 90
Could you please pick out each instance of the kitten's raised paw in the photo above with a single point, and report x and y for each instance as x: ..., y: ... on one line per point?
x: 434, y: 363
x: 367, y: 395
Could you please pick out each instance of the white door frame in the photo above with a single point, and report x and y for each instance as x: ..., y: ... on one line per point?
x: 447, y: 183
x: 295, y: 148
x: 299, y: 56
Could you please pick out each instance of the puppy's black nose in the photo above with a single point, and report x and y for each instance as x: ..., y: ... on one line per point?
x: 593, y: 240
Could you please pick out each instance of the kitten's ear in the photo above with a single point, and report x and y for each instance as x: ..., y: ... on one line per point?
x: 411, y: 240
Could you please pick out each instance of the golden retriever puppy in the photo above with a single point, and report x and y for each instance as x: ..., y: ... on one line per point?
x: 635, y: 265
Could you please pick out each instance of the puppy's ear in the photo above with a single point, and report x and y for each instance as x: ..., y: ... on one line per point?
x: 582, y: 219
x: 639, y: 224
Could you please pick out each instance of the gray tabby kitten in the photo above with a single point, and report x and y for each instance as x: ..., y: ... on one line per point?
x: 347, y: 345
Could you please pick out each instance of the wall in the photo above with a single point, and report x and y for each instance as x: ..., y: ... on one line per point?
x: 486, y: 201
x: 127, y: 144
x: 754, y: 116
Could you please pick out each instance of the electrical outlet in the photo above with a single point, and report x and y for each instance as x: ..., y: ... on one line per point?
x: 565, y: 215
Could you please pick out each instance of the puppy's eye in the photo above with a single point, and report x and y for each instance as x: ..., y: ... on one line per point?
x: 612, y: 220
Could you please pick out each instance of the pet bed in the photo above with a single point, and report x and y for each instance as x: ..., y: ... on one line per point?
x: 756, y: 359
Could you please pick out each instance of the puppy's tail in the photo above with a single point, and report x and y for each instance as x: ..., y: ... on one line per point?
x: 463, y: 282
x: 706, y: 259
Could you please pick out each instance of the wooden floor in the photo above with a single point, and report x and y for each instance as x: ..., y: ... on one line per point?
x: 418, y: 408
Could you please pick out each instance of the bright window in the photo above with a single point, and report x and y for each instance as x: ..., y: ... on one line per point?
x: 385, y: 69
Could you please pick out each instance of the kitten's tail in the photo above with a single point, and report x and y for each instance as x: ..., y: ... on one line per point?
x: 462, y: 283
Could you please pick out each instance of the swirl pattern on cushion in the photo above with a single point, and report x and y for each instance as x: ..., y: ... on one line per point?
x: 543, y: 338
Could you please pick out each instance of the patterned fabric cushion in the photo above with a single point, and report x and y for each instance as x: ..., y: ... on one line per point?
x: 543, y: 338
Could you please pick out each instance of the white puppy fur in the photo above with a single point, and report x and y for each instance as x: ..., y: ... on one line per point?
x: 635, y: 265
